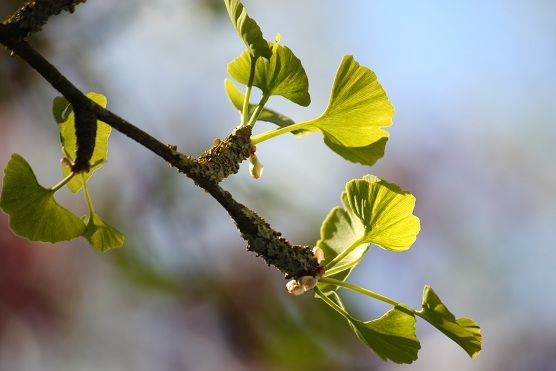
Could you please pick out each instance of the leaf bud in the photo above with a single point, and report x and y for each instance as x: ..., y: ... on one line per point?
x: 308, y: 282
x: 298, y: 287
x: 255, y: 167
x: 319, y: 254
x: 294, y: 288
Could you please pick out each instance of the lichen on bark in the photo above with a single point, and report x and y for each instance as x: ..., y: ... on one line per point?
x: 221, y: 160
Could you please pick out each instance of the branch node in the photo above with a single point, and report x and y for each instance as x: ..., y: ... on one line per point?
x: 223, y: 159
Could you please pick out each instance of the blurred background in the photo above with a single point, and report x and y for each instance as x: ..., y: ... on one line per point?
x: 474, y: 87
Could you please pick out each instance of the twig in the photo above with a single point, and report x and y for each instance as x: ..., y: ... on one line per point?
x: 223, y: 159
x: 32, y: 15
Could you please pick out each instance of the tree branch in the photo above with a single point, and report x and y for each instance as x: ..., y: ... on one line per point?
x: 222, y: 160
x: 34, y: 14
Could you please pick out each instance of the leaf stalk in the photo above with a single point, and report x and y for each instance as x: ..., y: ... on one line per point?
x: 245, y: 109
x: 342, y: 255
x: 360, y: 290
x: 62, y: 183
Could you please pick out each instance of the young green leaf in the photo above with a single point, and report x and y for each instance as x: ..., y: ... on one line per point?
x: 391, y: 336
x: 64, y: 115
x: 236, y: 98
x: 386, y: 212
x: 366, y: 155
x: 341, y: 229
x: 282, y: 74
x: 352, y: 123
x: 33, y: 212
x: 374, y: 211
x: 464, y: 331
x: 357, y: 110
x: 248, y: 30
x: 102, y: 236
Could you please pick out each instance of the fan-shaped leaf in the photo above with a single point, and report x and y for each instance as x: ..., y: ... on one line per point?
x: 391, y: 337
x: 386, y: 212
x: 464, y: 331
x: 102, y: 236
x: 357, y: 110
x: 33, y: 212
x: 64, y: 115
x: 282, y: 74
x: 340, y: 230
x: 374, y: 211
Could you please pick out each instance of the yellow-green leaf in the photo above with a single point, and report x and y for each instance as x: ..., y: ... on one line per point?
x: 64, y: 115
x: 102, y: 236
x: 248, y: 30
x: 385, y: 210
x: 281, y: 74
x: 391, y: 337
x: 374, y: 212
x: 33, y: 212
x: 464, y: 331
x: 340, y: 230
x: 357, y: 111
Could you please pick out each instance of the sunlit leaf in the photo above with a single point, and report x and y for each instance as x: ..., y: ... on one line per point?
x: 282, y: 74
x: 33, y: 212
x: 248, y: 30
x: 340, y: 230
x: 361, y: 155
x: 357, y: 110
x: 102, y: 236
x: 391, y: 337
x: 464, y: 331
x: 236, y: 98
x: 385, y: 210
x: 64, y: 115
x: 373, y: 211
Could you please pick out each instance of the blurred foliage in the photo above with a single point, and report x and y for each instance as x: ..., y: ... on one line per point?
x: 263, y: 325
x: 16, y: 77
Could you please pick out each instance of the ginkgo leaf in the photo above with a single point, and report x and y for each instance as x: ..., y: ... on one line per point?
x: 391, y: 337
x: 248, y: 30
x: 357, y: 110
x: 366, y: 155
x: 374, y: 212
x: 33, y: 211
x: 64, y: 115
x: 385, y: 210
x: 341, y: 229
x: 282, y: 74
x: 352, y: 123
x: 236, y: 98
x: 102, y: 236
x: 464, y: 331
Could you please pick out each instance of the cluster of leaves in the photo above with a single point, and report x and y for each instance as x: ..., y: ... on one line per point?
x: 33, y: 211
x: 374, y: 211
